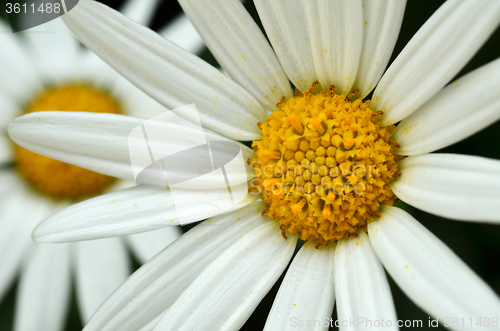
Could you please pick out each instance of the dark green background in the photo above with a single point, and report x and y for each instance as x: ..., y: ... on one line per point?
x: 477, y: 244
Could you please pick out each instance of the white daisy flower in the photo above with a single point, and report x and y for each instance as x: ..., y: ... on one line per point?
x: 49, y: 70
x: 335, y: 53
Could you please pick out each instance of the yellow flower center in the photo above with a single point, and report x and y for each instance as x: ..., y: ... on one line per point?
x: 54, y: 178
x: 324, y: 165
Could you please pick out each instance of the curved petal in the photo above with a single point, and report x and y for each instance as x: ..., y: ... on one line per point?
x: 146, y: 245
x: 428, y: 271
x: 141, y: 11
x: 20, y: 211
x: 240, y: 48
x: 382, y: 22
x: 101, y: 266
x: 336, y: 32
x: 361, y: 286
x: 286, y: 27
x: 157, y: 284
x: 166, y: 72
x: 463, y: 108
x: 226, y: 293
x: 307, y: 292
x: 100, y: 142
x: 125, y: 212
x: 44, y: 290
x: 437, y: 52
x: 459, y: 187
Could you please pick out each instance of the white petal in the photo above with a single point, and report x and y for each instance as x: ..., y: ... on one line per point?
x: 166, y: 72
x: 158, y: 283
x: 130, y: 211
x: 181, y: 32
x: 437, y: 52
x: 141, y: 11
x: 361, y: 287
x: 307, y: 292
x: 18, y: 76
x: 6, y: 149
x: 336, y: 32
x: 226, y: 293
x: 381, y: 25
x: 240, y: 48
x: 429, y: 272
x: 459, y: 187
x: 55, y: 48
x: 146, y: 245
x: 463, y: 108
x: 101, y: 266
x: 44, y: 290
x: 99, y: 142
x: 94, y: 141
x: 286, y: 27
x: 20, y: 211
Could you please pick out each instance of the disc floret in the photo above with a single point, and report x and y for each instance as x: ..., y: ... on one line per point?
x: 324, y: 165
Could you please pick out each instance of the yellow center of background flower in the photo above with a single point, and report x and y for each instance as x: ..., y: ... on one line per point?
x: 324, y: 165
x: 54, y: 178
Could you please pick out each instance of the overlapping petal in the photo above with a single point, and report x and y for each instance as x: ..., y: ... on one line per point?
x: 459, y: 187
x: 166, y: 72
x: 240, y: 48
x: 437, y: 52
x: 463, y: 108
x: 429, y: 272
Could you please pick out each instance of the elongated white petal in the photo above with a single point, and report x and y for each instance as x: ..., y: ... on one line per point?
x: 437, y: 52
x: 20, y: 211
x: 226, y: 293
x: 141, y: 11
x: 55, y: 48
x: 93, y: 141
x: 307, y: 292
x: 361, y: 287
x: 336, y: 33
x: 18, y: 76
x: 382, y: 22
x: 166, y: 72
x: 157, y: 284
x: 100, y: 142
x: 6, y: 150
x: 44, y: 290
x: 285, y: 23
x: 181, y: 32
x: 428, y: 271
x: 459, y: 187
x: 101, y: 267
x: 463, y: 108
x: 240, y: 48
x: 125, y: 212
x: 146, y: 245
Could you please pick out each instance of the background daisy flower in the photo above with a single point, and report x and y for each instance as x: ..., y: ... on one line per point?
x: 47, y: 69
x: 220, y: 270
